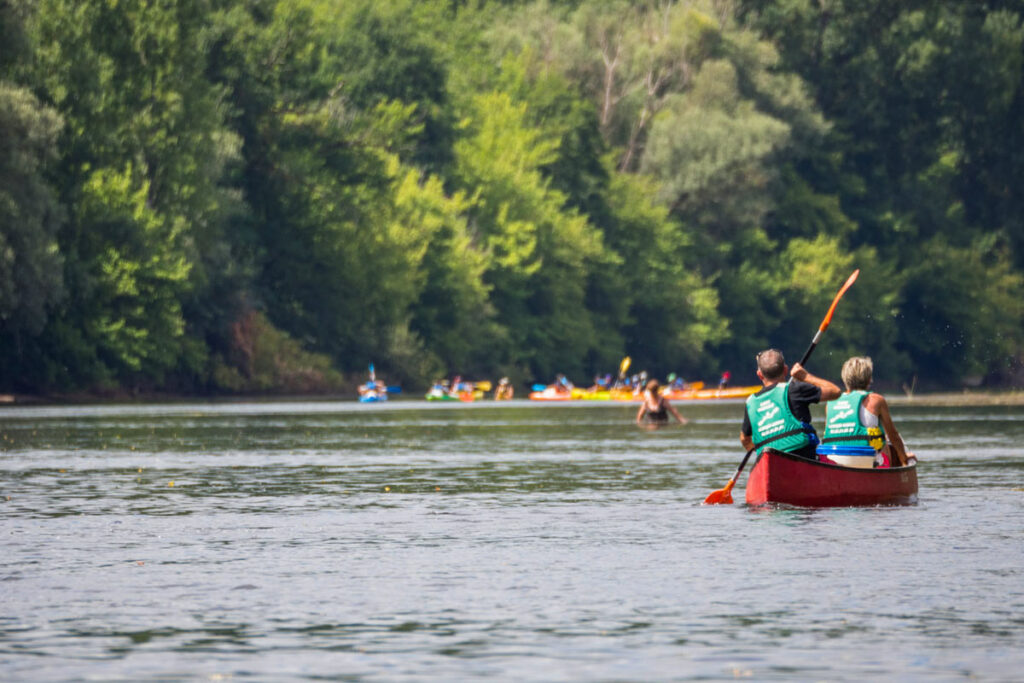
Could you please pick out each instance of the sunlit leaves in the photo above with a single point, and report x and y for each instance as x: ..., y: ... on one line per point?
x: 138, y: 278
x: 538, y: 250
x: 451, y: 313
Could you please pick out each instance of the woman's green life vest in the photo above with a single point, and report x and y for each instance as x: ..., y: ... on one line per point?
x: 773, y: 423
x: 843, y: 425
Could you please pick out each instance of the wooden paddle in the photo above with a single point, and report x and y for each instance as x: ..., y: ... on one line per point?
x: 724, y: 495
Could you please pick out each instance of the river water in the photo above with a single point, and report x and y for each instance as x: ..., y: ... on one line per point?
x: 412, y: 541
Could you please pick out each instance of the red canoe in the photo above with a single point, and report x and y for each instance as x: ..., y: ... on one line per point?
x: 780, y: 477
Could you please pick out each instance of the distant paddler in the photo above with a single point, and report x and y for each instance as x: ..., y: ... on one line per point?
x: 374, y: 390
x: 504, y: 391
x: 675, y: 383
x: 563, y: 385
x: 439, y: 391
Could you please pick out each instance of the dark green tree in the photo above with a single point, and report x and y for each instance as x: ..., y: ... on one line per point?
x: 31, y: 285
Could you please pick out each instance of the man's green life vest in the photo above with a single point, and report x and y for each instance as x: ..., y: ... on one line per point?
x: 843, y: 425
x: 773, y: 423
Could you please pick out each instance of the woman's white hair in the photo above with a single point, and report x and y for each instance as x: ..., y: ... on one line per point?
x: 857, y: 373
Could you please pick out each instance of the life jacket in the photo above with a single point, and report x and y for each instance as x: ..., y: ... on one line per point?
x: 772, y: 422
x: 843, y: 425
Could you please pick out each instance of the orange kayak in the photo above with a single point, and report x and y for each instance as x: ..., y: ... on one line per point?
x: 705, y: 394
x: 551, y: 394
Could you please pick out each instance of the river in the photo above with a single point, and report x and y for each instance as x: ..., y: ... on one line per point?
x: 296, y: 541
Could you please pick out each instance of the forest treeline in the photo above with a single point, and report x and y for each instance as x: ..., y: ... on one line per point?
x: 210, y: 196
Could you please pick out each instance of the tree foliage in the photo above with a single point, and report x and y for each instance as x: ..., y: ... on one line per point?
x: 260, y: 195
x: 30, y: 261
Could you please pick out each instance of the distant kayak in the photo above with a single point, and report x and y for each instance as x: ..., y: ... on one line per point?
x: 779, y: 477
x: 373, y: 397
x: 706, y: 394
x: 551, y: 394
x: 440, y: 395
x: 599, y: 395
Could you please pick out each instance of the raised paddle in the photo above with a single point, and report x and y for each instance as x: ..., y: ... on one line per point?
x: 828, y: 316
x: 724, y: 495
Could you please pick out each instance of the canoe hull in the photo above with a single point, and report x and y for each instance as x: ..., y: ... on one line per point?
x: 779, y: 477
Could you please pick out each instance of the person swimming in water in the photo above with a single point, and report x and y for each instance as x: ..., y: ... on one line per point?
x: 656, y: 408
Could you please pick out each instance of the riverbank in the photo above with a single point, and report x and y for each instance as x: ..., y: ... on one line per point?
x: 1013, y: 397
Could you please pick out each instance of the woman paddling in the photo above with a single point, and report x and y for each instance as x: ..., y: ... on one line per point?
x: 656, y: 407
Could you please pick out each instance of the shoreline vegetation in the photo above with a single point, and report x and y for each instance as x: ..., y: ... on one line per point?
x: 967, y: 397
x: 241, y: 198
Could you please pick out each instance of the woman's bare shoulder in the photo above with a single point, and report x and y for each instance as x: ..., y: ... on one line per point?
x: 875, y: 401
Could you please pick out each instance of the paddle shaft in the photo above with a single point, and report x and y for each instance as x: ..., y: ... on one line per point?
x: 743, y: 463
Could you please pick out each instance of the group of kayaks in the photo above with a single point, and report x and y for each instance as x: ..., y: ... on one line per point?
x: 375, y: 391
x: 474, y: 391
x: 458, y: 390
x: 690, y: 392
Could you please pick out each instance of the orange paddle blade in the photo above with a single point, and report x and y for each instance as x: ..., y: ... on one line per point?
x: 835, y: 302
x: 721, y: 496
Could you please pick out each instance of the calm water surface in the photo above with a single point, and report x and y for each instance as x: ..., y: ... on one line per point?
x: 334, y: 541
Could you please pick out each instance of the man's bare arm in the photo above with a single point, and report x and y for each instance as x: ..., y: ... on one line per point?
x: 829, y: 391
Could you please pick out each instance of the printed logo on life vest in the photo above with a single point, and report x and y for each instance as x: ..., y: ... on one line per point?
x: 841, y: 415
x: 769, y: 411
x: 770, y: 421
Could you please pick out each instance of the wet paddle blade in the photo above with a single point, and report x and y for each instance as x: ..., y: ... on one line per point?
x: 722, y: 496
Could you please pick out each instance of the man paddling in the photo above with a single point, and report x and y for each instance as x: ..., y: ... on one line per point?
x: 779, y: 415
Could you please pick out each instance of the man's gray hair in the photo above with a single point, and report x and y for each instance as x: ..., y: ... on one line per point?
x: 772, y: 364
